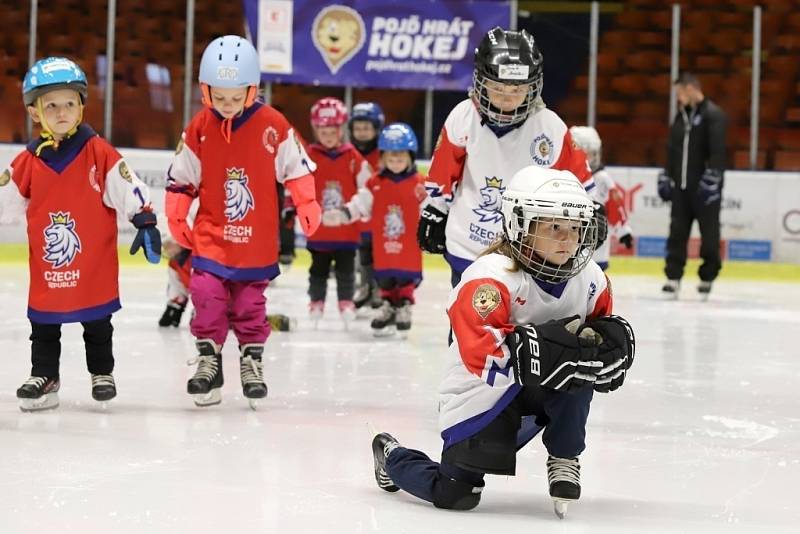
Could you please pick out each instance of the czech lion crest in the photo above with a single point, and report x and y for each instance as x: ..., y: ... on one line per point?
x: 62, y: 243
x: 393, y: 224
x: 489, y: 208
x: 332, y: 197
x: 238, y: 197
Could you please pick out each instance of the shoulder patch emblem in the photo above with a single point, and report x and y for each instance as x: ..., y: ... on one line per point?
x: 485, y: 300
x: 124, y: 171
x: 5, y: 178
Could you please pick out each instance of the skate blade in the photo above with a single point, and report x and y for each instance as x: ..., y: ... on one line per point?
x: 45, y: 402
x: 384, y: 332
x: 560, y: 507
x: 211, y: 398
x: 403, y: 334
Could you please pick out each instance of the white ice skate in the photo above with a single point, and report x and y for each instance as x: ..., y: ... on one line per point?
x: 670, y: 289
x: 704, y: 290
x: 315, y: 309
x: 347, y: 310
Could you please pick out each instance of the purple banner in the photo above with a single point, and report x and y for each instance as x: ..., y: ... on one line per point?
x: 398, y: 44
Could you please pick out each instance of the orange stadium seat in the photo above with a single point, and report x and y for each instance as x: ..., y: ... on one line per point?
x: 787, y: 160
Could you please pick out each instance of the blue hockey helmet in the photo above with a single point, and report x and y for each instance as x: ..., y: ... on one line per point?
x: 51, y: 74
x: 398, y: 136
x: 368, y: 111
x: 229, y: 62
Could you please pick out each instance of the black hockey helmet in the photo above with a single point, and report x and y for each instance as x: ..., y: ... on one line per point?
x: 511, y: 58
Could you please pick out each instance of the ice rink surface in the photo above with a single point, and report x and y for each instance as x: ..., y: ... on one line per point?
x: 703, y: 437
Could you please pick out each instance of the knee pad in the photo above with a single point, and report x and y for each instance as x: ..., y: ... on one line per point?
x: 452, y: 494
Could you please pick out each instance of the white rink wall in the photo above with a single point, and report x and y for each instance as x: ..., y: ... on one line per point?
x: 760, y: 210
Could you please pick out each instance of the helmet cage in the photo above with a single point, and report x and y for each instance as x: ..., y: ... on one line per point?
x: 520, y: 231
x: 494, y: 115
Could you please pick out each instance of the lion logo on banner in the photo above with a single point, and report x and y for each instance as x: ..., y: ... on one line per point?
x: 238, y: 198
x: 62, y: 243
x: 338, y: 33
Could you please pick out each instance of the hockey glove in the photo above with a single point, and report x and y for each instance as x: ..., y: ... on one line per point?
x: 664, y: 187
x: 304, y: 198
x: 616, y: 349
x: 336, y: 217
x: 147, y: 237
x: 627, y: 241
x: 601, y: 220
x: 551, y: 355
x: 709, y: 190
x: 430, y: 234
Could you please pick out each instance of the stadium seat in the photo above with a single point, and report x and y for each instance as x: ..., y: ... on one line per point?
x: 787, y: 160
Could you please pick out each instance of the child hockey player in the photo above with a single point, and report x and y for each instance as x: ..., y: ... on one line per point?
x: 72, y: 229
x: 533, y: 335
x: 502, y: 127
x: 231, y: 154
x: 366, y: 122
x: 606, y: 192
x: 391, y: 200
x: 341, y: 171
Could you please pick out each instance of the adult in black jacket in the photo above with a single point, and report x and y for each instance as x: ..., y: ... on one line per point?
x: 693, y: 181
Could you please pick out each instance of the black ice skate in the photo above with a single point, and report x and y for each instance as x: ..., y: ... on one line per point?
x: 564, y: 477
x: 384, y: 322
x: 172, y: 315
x: 402, y: 318
x: 205, y: 385
x: 363, y: 295
x: 250, y: 368
x: 38, y: 393
x: 382, y: 445
x: 103, y: 388
x: 704, y: 290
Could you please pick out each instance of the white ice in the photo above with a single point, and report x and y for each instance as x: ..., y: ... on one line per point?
x: 703, y: 437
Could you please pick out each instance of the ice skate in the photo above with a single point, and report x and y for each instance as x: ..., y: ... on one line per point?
x: 103, y: 389
x: 382, y: 445
x: 384, y: 322
x: 564, y: 478
x: 402, y: 318
x: 362, y: 295
x: 172, y: 315
x: 315, y: 309
x: 38, y: 393
x: 670, y: 289
x: 704, y: 290
x: 347, y: 310
x: 250, y: 369
x: 281, y: 323
x: 205, y: 385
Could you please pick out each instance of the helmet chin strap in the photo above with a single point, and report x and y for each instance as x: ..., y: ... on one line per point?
x: 47, y: 133
x: 227, y: 124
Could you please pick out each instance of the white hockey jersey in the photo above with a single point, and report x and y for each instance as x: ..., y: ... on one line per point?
x: 471, y: 165
x: 485, y: 307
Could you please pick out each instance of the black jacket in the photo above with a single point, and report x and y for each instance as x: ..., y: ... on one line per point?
x: 700, y: 132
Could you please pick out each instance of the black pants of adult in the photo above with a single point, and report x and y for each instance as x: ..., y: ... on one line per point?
x: 685, y: 210
x: 457, y: 481
x: 46, y: 347
x: 344, y: 266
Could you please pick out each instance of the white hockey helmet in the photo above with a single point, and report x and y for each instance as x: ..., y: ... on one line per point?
x: 537, y: 194
x: 587, y: 139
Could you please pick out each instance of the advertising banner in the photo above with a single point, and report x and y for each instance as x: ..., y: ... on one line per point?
x: 369, y: 43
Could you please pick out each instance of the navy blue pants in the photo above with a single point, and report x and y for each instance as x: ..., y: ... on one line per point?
x: 563, y: 416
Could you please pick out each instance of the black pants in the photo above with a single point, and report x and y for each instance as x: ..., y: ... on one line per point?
x: 344, y: 266
x: 685, y: 210
x: 365, y: 263
x: 46, y: 347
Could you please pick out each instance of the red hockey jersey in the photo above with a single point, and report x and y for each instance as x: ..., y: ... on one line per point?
x: 393, y: 202
x: 235, y: 232
x: 340, y: 173
x: 71, y: 198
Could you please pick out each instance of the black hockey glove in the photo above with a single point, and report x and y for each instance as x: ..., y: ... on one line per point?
x: 627, y: 241
x: 601, y: 219
x: 664, y: 187
x: 430, y: 234
x: 147, y: 237
x: 709, y: 190
x: 616, y: 349
x: 551, y: 355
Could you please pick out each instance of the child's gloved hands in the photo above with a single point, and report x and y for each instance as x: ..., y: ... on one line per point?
x: 147, y: 237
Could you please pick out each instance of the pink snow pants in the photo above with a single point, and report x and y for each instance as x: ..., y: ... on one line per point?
x: 221, y: 304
